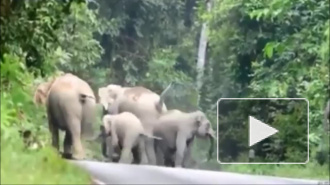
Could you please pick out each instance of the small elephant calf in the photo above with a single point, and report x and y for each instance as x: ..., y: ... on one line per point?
x: 128, y: 135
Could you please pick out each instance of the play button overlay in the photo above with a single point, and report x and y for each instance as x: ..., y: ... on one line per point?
x: 262, y: 131
x: 259, y: 131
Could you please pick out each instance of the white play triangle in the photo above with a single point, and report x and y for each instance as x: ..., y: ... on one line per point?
x: 259, y: 131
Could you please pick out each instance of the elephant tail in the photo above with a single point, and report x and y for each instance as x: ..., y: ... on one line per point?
x: 88, y: 116
x: 159, y: 104
x: 149, y: 136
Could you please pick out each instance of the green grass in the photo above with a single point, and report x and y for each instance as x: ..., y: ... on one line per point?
x: 44, y: 166
x: 307, y: 171
x: 311, y: 170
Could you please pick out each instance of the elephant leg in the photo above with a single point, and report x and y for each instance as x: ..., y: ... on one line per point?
x: 169, y: 162
x: 115, y: 156
x: 54, y: 132
x: 142, y: 151
x: 159, y: 155
x: 161, y: 149
x: 75, y: 129
x: 136, y: 155
x: 126, y: 152
x: 180, y: 149
x: 110, y: 150
x: 169, y: 157
x: 67, y: 144
x: 150, y: 150
x: 126, y: 155
x: 55, y: 137
x: 187, y: 153
x: 117, y: 148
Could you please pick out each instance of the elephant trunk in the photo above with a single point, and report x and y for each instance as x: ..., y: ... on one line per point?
x: 211, y: 149
x: 159, y: 105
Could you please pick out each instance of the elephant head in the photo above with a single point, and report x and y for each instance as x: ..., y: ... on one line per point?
x: 105, y: 98
x: 114, y: 90
x: 41, y: 92
x: 205, y: 130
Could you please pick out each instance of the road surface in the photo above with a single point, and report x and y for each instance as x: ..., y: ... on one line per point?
x: 114, y: 173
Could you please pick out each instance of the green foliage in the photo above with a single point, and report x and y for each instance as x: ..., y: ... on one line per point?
x: 44, y: 166
x: 256, y: 48
x: 19, y: 113
x: 266, y: 49
x: 76, y: 37
x: 14, y: 101
x: 162, y: 71
x: 151, y: 33
x: 32, y: 42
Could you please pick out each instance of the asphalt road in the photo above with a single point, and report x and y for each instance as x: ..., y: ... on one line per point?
x: 114, y: 173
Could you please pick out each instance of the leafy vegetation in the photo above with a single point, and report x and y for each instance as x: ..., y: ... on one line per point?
x: 256, y: 48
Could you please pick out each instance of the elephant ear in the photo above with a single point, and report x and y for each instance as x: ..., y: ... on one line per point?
x: 113, y: 90
x: 106, y: 120
x: 40, y: 94
x: 37, y: 97
x: 198, y: 120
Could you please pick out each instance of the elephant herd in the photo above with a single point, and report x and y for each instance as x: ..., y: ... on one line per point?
x: 136, y: 125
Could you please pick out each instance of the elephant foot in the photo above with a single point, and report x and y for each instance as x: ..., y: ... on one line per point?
x: 115, y: 160
x: 115, y: 157
x: 66, y: 156
x: 78, y: 157
x: 169, y: 163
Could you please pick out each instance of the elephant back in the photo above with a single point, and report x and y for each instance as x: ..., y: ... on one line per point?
x: 72, y: 82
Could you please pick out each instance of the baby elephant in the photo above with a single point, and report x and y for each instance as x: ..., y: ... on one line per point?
x: 128, y: 135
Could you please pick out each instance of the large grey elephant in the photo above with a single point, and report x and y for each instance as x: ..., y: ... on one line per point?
x: 71, y: 107
x: 127, y: 136
x: 140, y: 101
x: 178, y: 130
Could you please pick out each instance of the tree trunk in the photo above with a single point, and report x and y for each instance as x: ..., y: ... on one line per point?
x: 202, y: 50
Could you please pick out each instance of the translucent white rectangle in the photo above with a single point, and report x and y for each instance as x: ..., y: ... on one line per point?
x: 307, y: 160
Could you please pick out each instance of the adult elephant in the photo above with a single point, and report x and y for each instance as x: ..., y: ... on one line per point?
x: 140, y: 101
x: 71, y: 107
x: 178, y: 130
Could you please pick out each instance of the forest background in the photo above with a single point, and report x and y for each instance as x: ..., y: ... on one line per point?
x: 255, y: 48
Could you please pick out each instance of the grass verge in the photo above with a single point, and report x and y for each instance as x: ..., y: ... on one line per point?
x: 44, y: 166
